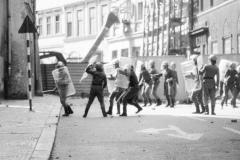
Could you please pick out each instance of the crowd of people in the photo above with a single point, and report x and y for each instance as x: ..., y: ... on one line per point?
x: 206, y: 79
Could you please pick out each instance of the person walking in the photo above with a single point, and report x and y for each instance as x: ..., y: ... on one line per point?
x: 117, y: 91
x: 156, y: 82
x: 62, y: 83
x: 209, y: 86
x: 229, y: 82
x: 99, y: 82
x: 168, y: 84
x: 237, y: 87
x: 196, y: 95
x: 132, y: 91
x: 175, y: 82
x: 146, y: 81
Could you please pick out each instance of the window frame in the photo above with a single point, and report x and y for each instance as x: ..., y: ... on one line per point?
x: 92, y: 20
x: 40, y: 26
x: 57, y: 23
x: 69, y: 27
x: 48, y: 25
x: 80, y: 19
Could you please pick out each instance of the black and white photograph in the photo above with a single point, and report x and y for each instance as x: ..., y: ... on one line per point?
x: 119, y: 79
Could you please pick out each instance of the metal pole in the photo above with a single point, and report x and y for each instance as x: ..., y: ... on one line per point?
x: 29, y: 68
x: 153, y: 23
x: 158, y: 27
x: 163, y: 26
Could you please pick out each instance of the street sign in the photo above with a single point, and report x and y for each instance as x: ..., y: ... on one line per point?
x: 27, y: 26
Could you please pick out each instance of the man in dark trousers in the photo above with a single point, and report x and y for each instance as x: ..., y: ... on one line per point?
x: 99, y: 82
x: 156, y: 82
x: 209, y: 85
x: 132, y: 91
x: 169, y: 78
x: 229, y: 82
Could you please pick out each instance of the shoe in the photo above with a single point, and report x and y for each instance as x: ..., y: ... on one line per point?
x: 139, y: 110
x: 202, y: 112
x: 105, y: 116
x: 167, y: 105
x: 65, y: 115
x: 123, y: 114
x: 118, y: 113
x: 108, y: 112
x: 213, y: 113
x: 159, y: 102
x: 84, y: 116
x: 197, y: 112
x: 206, y: 113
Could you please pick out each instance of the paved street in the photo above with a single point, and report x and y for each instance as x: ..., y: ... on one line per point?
x: 28, y: 135
x: 163, y: 133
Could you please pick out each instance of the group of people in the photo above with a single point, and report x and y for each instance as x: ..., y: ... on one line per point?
x: 148, y: 82
x: 206, y: 81
x: 207, y: 84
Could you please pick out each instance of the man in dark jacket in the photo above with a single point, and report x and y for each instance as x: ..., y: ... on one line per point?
x: 209, y: 85
x: 132, y: 91
x: 99, y: 82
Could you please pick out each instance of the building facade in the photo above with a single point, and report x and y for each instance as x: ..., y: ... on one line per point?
x: 13, y: 51
x: 71, y: 26
x: 216, y: 27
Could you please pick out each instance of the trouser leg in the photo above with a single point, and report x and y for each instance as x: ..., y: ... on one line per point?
x: 103, y: 109
x: 213, y: 109
x: 90, y: 101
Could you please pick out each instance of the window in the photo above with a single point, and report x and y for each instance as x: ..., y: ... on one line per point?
x: 238, y: 41
x: 57, y: 24
x: 140, y: 11
x: 40, y: 26
x: 80, y: 22
x: 124, y: 52
x: 201, y: 5
x: 211, y: 3
x: 114, y: 54
x: 227, y: 45
x: 48, y: 25
x: 227, y: 39
x: 104, y: 13
x: 215, y: 48
x: 92, y: 20
x: 69, y: 24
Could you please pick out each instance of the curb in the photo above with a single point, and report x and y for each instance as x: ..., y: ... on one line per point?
x: 45, y: 143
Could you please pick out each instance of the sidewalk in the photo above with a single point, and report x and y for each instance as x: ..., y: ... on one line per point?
x: 28, y: 135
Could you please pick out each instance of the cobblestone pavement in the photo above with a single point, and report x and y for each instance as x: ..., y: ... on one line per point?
x: 30, y: 135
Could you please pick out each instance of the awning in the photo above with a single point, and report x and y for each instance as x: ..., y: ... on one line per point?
x: 197, y: 31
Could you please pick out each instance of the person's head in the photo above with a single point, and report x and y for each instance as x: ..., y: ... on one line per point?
x: 99, y: 67
x: 213, y: 59
x: 151, y: 64
x: 127, y: 68
x: 173, y: 65
x: 115, y: 62
x: 143, y: 66
x: 164, y: 65
x: 60, y: 64
x: 132, y: 68
x: 194, y: 58
x: 232, y: 65
x: 238, y: 69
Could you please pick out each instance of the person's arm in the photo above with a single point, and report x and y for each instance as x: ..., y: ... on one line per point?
x: 89, y: 69
x: 104, y: 82
x: 177, y: 78
x: 217, y: 78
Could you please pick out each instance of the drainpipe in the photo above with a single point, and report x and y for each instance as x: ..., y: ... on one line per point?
x: 9, y: 39
x: 8, y: 55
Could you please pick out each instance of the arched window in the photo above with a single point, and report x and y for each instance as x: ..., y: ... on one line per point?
x: 238, y: 36
x: 214, y: 43
x: 227, y: 39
